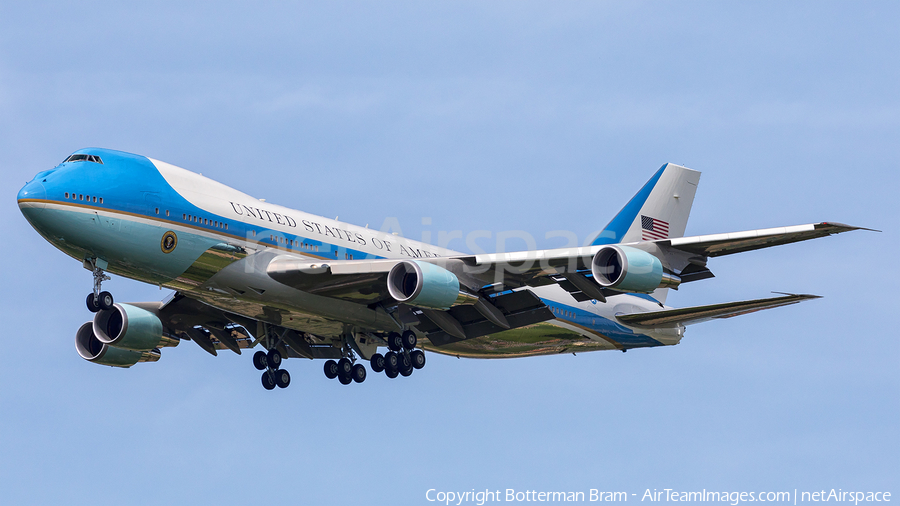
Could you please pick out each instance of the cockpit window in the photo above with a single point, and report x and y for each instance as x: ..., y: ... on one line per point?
x: 83, y: 158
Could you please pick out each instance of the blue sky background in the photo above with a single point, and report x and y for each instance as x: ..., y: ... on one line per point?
x: 497, y: 116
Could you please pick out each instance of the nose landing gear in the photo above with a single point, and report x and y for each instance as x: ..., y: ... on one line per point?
x: 97, y: 299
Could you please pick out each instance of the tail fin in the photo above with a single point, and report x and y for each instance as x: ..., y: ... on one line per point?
x: 660, y: 210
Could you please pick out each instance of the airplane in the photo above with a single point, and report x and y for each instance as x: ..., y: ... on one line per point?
x: 249, y: 274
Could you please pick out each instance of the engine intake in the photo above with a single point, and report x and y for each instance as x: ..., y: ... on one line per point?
x: 91, y: 349
x: 130, y: 328
x: 426, y: 285
x: 630, y: 270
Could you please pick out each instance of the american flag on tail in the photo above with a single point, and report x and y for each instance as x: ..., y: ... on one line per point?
x: 653, y: 229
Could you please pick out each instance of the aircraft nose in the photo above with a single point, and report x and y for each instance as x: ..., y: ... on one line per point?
x: 32, y: 191
x: 32, y: 199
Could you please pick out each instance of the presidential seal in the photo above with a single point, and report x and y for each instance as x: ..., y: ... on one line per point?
x: 168, y: 242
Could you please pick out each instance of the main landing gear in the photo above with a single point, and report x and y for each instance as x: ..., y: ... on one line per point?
x: 346, y: 370
x: 402, y: 358
x: 98, y: 300
x: 270, y: 363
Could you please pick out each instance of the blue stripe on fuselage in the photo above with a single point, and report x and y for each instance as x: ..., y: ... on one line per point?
x: 596, y: 323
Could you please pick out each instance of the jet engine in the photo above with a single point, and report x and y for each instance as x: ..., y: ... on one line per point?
x: 426, y: 285
x: 91, y: 349
x: 629, y: 269
x: 131, y: 328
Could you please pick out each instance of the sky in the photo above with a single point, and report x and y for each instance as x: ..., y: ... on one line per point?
x: 470, y: 116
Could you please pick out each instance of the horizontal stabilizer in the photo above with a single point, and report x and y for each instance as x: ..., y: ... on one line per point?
x: 699, y: 314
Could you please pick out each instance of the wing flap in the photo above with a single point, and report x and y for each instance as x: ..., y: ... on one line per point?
x: 520, y: 308
x: 698, y: 314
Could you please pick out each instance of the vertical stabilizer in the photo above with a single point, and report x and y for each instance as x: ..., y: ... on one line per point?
x: 660, y: 210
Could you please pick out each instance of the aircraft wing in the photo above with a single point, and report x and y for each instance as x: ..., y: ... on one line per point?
x: 699, y: 245
x: 365, y: 280
x: 684, y: 256
x: 738, y: 242
x: 699, y: 314
x: 355, y: 280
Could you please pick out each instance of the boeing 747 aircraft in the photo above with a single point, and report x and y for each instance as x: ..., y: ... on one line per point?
x: 250, y: 274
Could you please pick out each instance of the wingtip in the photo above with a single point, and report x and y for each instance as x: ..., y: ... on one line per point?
x: 845, y: 227
x: 800, y: 296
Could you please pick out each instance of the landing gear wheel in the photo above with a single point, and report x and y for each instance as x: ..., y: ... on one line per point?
x: 358, y: 373
x: 93, y: 304
x: 268, y: 381
x: 344, y: 367
x: 331, y: 369
x: 395, y: 342
x: 345, y: 380
x: 106, y: 301
x: 404, y: 365
x: 259, y: 360
x: 391, y: 361
x: 377, y: 362
x: 418, y: 359
x: 408, y: 339
x: 273, y: 359
x: 282, y: 378
x: 405, y: 368
x: 391, y: 373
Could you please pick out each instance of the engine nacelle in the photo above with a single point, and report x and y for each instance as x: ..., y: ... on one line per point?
x: 426, y: 285
x: 130, y: 328
x: 91, y: 349
x: 630, y: 270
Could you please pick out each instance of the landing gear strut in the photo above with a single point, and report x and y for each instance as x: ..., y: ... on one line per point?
x: 98, y: 300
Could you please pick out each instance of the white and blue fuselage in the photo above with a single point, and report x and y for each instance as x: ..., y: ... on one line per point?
x: 160, y: 224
